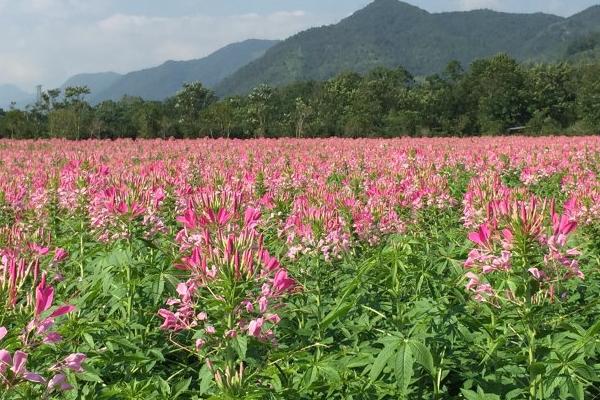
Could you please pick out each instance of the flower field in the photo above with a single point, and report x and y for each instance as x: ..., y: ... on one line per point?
x: 300, y: 269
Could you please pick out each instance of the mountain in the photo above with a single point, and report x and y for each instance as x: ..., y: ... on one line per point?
x: 553, y: 41
x: 392, y: 33
x: 97, y: 82
x: 10, y: 93
x: 165, y: 80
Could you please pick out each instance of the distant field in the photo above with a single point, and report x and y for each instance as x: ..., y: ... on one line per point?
x: 300, y: 269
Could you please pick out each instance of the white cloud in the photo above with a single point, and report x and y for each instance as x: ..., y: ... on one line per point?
x: 18, y: 69
x: 52, y: 50
x: 479, y: 4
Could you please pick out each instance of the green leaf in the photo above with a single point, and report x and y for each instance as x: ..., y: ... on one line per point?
x: 381, y: 361
x: 182, y: 387
x: 331, y: 374
x: 309, y: 377
x: 206, y: 379
x: 422, y: 355
x: 404, y: 366
x: 89, y: 377
x: 479, y: 395
x: 537, y: 368
x: 593, y: 331
x: 165, y: 389
x: 89, y: 340
x: 585, y: 372
x: 240, y: 345
x: 336, y: 313
x: 576, y: 389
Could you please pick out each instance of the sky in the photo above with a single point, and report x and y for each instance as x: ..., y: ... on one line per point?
x: 47, y: 41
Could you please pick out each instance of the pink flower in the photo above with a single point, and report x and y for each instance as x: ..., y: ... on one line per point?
x: 473, y: 281
x: 62, y: 310
x: 73, y: 361
x: 199, y: 344
x: 42, y: 251
x: 248, y: 306
x: 282, y: 283
x: 43, y: 297
x: 562, y: 224
x: 537, y: 274
x: 231, y: 333
x: 255, y: 327
x: 273, y: 318
x: 3, y: 332
x: 481, y: 236
x: 17, y: 365
x: 52, y: 338
x: 60, y: 255
x: 170, y: 320
x: 263, y: 304
x: 210, y: 330
x: 202, y: 316
x: 59, y: 381
x: 251, y: 217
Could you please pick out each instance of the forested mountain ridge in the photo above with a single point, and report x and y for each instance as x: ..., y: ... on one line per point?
x: 391, y: 33
x: 164, y: 81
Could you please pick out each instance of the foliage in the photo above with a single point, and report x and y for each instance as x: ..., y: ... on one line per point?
x: 300, y: 269
x: 492, y: 96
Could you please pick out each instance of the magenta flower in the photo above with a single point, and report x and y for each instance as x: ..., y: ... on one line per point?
x: 255, y: 327
x: 481, y: 236
x: 473, y: 281
x: 210, y: 330
x: 59, y: 381
x: 43, y: 297
x: 60, y: 255
x: 17, y: 365
x: 537, y: 274
x: 73, y: 362
x: 282, y: 283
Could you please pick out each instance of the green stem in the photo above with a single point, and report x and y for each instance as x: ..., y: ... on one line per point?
x: 319, y: 314
x: 533, y: 378
x: 81, y: 249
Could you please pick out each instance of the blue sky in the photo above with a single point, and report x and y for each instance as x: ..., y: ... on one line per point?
x: 46, y: 41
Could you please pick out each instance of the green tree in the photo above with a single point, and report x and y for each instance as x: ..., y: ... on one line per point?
x: 221, y: 118
x: 334, y: 101
x: 588, y: 97
x: 14, y: 125
x: 551, y: 96
x: 79, y: 113
x: 189, y: 103
x: 303, y: 112
x: 260, y: 110
x: 65, y: 123
x: 499, y: 86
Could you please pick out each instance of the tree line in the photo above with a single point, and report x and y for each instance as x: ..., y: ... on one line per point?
x: 496, y: 95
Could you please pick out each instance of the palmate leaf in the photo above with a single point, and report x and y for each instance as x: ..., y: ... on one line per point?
x: 401, y: 355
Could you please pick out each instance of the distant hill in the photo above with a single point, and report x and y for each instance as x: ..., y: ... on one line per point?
x: 552, y: 42
x: 10, y: 93
x: 97, y: 82
x: 165, y: 80
x: 392, y: 33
